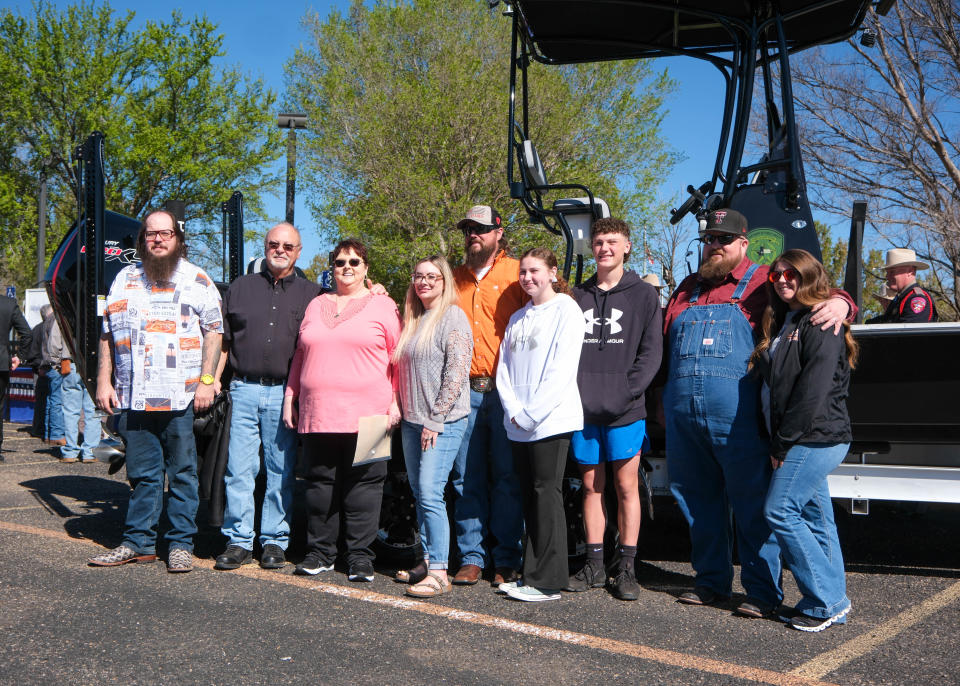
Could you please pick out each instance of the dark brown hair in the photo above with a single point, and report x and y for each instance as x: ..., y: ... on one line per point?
x: 349, y: 244
x: 813, y: 288
x: 610, y: 225
x: 546, y: 254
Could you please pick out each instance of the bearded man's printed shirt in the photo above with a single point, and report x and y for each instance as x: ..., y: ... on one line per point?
x: 157, y: 330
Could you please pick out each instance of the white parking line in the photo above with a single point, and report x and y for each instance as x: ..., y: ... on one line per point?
x: 833, y: 660
x: 625, y: 648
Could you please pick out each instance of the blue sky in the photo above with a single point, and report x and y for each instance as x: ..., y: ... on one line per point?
x: 260, y: 37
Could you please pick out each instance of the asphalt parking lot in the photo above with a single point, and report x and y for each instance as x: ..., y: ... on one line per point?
x: 65, y: 622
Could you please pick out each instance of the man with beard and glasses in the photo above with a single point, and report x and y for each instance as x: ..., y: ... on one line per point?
x: 262, y: 314
x: 717, y: 454
x: 158, y: 352
x: 489, y: 294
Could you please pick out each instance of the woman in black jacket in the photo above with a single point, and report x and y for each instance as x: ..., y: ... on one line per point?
x: 807, y: 375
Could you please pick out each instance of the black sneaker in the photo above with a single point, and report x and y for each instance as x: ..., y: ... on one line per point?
x: 587, y: 578
x: 804, y: 622
x: 233, y: 557
x: 624, y: 585
x: 361, y: 570
x: 313, y: 564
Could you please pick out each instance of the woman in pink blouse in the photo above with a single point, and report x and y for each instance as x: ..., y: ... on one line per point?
x: 341, y: 371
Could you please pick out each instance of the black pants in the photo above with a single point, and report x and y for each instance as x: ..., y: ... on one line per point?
x: 334, y: 485
x: 41, y: 390
x: 540, y: 466
x: 4, y: 382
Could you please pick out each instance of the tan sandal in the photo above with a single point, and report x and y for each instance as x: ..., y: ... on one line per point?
x: 433, y: 585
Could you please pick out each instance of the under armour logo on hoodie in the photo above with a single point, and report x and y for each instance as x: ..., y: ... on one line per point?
x: 611, y: 321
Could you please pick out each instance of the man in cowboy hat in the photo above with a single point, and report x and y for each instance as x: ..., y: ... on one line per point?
x: 653, y: 280
x: 911, y: 302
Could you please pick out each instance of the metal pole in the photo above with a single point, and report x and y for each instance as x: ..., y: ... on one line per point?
x: 291, y: 171
x: 42, y: 229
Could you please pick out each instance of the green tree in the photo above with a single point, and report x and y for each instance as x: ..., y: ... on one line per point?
x: 408, y: 109
x: 879, y: 123
x: 177, y: 124
x: 835, y: 261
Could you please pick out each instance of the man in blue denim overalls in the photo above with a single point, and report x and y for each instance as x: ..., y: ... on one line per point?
x: 718, y: 457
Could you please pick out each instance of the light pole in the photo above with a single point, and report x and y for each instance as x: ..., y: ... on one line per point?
x: 42, y: 228
x: 291, y: 121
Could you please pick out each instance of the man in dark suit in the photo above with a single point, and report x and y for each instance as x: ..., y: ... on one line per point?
x: 10, y: 318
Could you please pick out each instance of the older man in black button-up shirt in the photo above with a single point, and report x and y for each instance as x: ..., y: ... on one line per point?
x: 262, y: 315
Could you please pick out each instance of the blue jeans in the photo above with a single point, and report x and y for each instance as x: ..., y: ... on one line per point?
x: 54, y: 422
x: 257, y: 421
x: 800, y: 512
x: 428, y: 472
x: 486, y: 447
x: 75, y: 399
x: 158, y: 443
x: 719, y: 466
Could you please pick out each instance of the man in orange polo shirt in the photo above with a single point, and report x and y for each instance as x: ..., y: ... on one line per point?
x: 489, y: 294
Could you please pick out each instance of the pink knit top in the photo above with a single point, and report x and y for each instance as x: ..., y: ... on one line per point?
x: 341, y: 370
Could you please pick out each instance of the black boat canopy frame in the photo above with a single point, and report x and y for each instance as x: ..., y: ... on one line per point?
x: 735, y: 37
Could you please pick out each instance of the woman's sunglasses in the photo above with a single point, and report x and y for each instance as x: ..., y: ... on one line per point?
x: 790, y: 274
x: 353, y: 262
x: 723, y: 239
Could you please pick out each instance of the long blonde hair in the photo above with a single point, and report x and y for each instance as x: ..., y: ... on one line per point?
x: 415, y: 315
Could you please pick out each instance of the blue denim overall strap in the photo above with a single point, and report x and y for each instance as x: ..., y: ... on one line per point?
x: 717, y: 459
x: 712, y: 340
x: 737, y: 294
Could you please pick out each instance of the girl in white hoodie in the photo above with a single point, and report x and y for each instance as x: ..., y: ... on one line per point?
x: 537, y: 382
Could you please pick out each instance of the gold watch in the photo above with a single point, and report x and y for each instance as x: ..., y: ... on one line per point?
x: 207, y: 379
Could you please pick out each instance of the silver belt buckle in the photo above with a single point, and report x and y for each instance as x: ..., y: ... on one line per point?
x: 481, y: 384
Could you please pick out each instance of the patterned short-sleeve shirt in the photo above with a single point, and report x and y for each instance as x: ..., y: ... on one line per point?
x: 157, y: 330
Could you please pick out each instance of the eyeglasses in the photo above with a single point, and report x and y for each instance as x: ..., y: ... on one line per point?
x: 287, y: 247
x: 164, y: 234
x: 477, y: 229
x: 722, y: 239
x: 354, y: 262
x: 427, y: 278
x: 790, y: 274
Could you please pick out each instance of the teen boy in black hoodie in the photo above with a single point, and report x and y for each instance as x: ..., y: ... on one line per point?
x: 622, y: 346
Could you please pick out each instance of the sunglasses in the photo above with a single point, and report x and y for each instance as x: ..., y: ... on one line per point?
x: 790, y: 274
x: 353, y: 262
x: 477, y: 229
x: 722, y: 239
x: 287, y: 247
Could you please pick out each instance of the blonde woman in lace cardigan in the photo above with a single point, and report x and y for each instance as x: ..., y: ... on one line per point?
x: 433, y: 361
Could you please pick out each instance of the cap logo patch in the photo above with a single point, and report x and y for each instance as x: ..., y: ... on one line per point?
x: 718, y: 216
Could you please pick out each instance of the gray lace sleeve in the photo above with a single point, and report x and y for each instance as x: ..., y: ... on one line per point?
x: 458, y: 354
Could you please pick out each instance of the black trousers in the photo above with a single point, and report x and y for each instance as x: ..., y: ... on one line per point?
x: 540, y: 466
x: 4, y: 382
x: 339, y: 494
x: 40, y: 392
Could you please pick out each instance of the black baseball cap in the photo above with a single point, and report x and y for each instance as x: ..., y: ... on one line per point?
x: 726, y: 221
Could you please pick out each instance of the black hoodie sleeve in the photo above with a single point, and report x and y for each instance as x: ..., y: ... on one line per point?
x: 820, y: 354
x: 647, y: 362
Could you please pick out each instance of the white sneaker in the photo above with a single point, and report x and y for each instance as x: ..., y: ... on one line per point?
x: 533, y: 594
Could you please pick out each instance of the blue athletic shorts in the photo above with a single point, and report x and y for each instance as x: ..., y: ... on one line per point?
x: 596, y: 443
